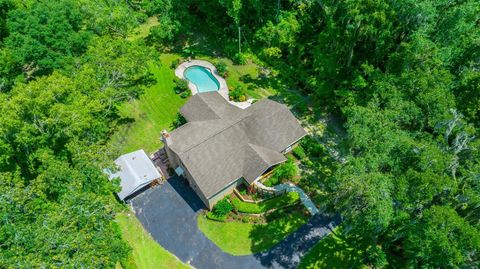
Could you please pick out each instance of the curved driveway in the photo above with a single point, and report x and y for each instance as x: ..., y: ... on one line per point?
x: 169, y: 212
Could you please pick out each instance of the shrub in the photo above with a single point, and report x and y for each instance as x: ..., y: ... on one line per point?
x: 222, y: 68
x: 178, y: 121
x: 312, y: 147
x: 238, y: 94
x: 272, y: 52
x: 185, y: 94
x: 299, y: 153
x: 272, y: 181
x: 176, y: 63
x: 246, y: 219
x: 222, y: 208
x: 239, y: 58
x: 212, y: 216
x: 284, y: 171
x: 181, y: 85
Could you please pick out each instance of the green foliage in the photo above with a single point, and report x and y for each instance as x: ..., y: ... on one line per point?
x: 222, y: 208
x: 185, y: 94
x: 312, y: 148
x: 178, y: 121
x: 284, y: 200
x: 442, y: 237
x: 181, y: 85
x: 163, y: 33
x: 5, y: 6
x: 52, y: 142
x: 285, y: 171
x: 49, y: 192
x: 216, y: 217
x: 175, y: 63
x: 400, y: 73
x: 222, y: 68
x: 299, y: 153
x: 46, y: 36
x: 238, y: 94
x: 239, y: 59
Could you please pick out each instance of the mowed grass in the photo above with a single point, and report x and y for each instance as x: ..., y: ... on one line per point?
x: 238, y: 238
x: 246, y: 76
x: 153, y: 112
x: 143, y: 30
x: 332, y: 252
x: 146, y: 253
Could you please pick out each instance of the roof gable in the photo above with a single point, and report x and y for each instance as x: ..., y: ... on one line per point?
x: 235, y: 143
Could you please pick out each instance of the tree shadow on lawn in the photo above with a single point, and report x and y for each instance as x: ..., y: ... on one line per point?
x: 290, y: 246
x: 334, y: 251
x: 284, y: 94
x: 279, y: 224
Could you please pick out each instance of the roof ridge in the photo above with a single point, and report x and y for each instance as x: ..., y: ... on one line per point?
x: 228, y: 126
x: 214, y: 111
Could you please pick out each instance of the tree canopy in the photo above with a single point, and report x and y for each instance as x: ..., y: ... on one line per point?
x: 403, y: 76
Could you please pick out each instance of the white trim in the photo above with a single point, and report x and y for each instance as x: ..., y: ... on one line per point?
x: 290, y: 147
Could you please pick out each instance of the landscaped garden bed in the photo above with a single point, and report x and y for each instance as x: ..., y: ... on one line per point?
x: 287, y: 171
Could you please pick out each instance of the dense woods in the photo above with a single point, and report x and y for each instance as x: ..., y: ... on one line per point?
x: 403, y: 75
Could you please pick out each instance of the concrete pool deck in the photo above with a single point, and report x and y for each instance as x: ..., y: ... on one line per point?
x: 179, y: 72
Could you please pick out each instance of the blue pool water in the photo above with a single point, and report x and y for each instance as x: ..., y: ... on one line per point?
x: 202, y: 78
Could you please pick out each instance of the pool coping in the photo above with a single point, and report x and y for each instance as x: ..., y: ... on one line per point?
x: 179, y: 71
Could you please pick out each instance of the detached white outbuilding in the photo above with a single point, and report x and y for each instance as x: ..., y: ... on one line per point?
x: 136, y: 171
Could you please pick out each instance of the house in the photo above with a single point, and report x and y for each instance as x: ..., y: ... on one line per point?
x: 136, y: 171
x: 222, y: 146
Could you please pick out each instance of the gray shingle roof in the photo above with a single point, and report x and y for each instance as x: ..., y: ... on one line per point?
x: 221, y: 143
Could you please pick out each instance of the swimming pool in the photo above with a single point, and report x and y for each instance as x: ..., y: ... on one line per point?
x: 202, y: 78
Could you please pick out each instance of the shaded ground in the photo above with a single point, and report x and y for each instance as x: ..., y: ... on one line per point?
x: 169, y: 212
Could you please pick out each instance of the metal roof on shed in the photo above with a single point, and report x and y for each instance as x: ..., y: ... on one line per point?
x: 136, y: 171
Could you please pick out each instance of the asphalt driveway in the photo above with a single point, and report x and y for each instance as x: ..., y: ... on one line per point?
x: 169, y: 212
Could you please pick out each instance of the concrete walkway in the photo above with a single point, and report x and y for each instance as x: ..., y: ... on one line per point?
x: 307, y: 202
x: 169, y: 213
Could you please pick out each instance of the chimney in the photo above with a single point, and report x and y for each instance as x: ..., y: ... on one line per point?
x: 166, y: 139
x: 165, y: 134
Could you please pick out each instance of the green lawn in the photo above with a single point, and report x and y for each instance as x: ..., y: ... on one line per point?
x: 238, y: 238
x: 332, y: 252
x: 144, y: 29
x: 247, y: 76
x: 154, y: 111
x: 146, y: 253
